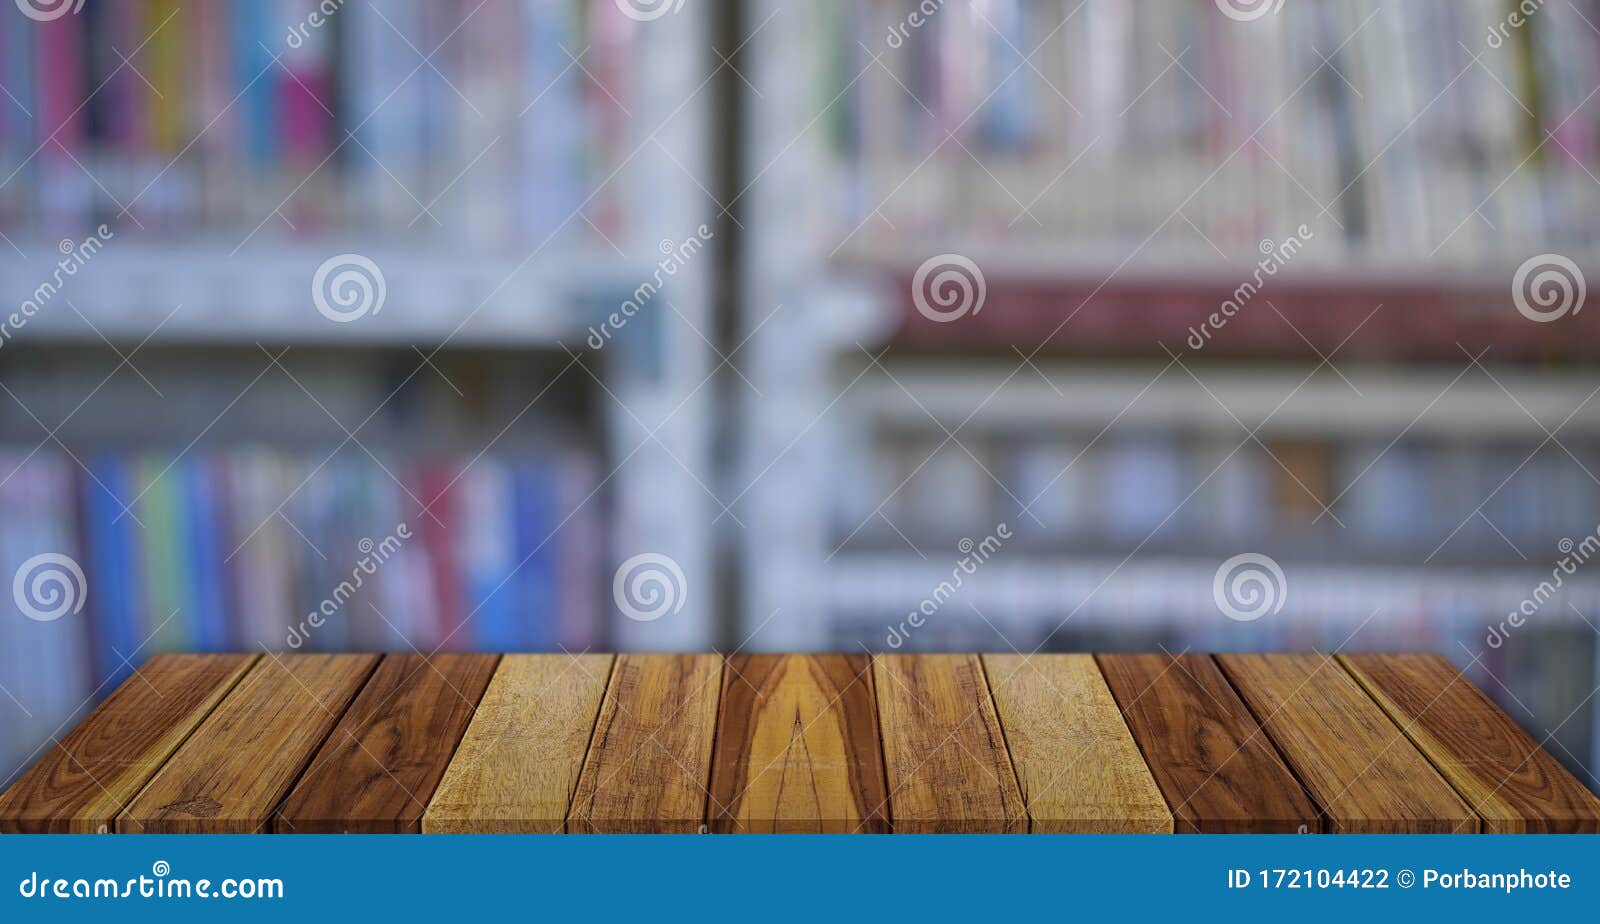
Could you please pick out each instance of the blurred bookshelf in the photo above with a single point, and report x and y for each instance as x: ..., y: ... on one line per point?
x: 1063, y: 135
x: 1378, y: 417
x: 181, y: 419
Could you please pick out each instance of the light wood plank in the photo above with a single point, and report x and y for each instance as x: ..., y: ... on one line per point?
x: 378, y: 768
x: 1215, y: 766
x: 1078, y: 767
x: 1364, y: 774
x: 649, y: 762
x: 239, y: 764
x: 1501, y: 772
x: 797, y: 747
x: 517, y: 765
x: 81, y: 784
x: 943, y: 748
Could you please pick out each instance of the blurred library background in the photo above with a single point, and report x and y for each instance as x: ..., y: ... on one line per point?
x: 544, y: 325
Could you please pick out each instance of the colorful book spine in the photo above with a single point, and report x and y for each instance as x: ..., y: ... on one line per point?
x: 165, y: 55
x: 206, y: 536
x: 580, y: 554
x: 552, y: 117
x: 537, y: 541
x: 253, y: 76
x: 238, y: 551
x: 113, y: 566
x: 170, y: 619
x: 59, y: 81
x: 305, y: 85
x: 441, y: 532
x: 498, y: 611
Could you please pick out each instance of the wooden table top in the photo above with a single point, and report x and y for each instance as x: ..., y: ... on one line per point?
x: 797, y: 743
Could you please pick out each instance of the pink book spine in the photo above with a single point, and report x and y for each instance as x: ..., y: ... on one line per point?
x: 306, y: 91
x: 60, y: 82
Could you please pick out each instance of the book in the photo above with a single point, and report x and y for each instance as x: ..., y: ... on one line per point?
x: 471, y: 125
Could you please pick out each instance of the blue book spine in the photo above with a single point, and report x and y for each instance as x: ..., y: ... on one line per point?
x: 18, y: 73
x: 255, y: 80
x: 207, y: 592
x: 535, y: 503
x: 494, y: 627
x: 492, y: 597
x: 114, y: 570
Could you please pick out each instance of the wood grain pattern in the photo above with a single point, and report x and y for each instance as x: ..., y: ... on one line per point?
x: 943, y: 748
x: 239, y: 764
x: 1077, y: 765
x: 517, y: 765
x: 379, y: 766
x: 1505, y: 777
x: 81, y: 784
x: 909, y: 743
x: 649, y: 763
x: 1363, y: 772
x: 797, y: 747
x: 1216, y: 768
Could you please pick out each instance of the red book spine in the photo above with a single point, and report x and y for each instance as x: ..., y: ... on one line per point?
x: 440, y: 538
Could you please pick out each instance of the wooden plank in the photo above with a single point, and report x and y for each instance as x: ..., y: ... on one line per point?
x: 943, y: 748
x: 242, y: 760
x: 379, y: 767
x: 1218, y: 771
x: 517, y: 765
x: 81, y: 784
x: 1361, y: 770
x: 1078, y: 767
x: 797, y: 747
x: 649, y: 762
x: 1501, y: 772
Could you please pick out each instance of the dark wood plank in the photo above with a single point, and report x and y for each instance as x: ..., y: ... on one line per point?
x: 649, y: 762
x: 1079, y: 768
x: 943, y: 747
x: 1511, y: 782
x: 1365, y: 775
x: 81, y: 784
x: 1215, y: 766
x: 797, y: 747
x: 517, y: 767
x: 242, y: 760
x: 379, y: 767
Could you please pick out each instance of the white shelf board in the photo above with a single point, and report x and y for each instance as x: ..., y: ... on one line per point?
x: 264, y: 293
x: 1090, y: 394
x: 1321, y: 260
x: 1156, y: 592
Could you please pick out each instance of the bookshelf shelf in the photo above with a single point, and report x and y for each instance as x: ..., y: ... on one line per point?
x: 133, y: 289
x: 1035, y: 598
x: 1432, y: 399
x: 1363, y: 312
x: 931, y: 547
